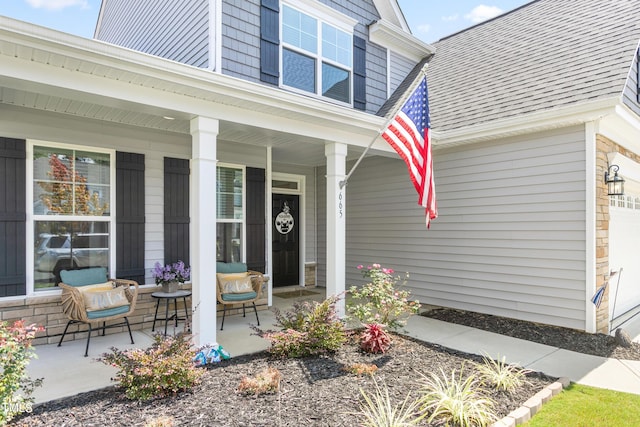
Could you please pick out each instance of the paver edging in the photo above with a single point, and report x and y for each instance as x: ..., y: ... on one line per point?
x: 533, y: 405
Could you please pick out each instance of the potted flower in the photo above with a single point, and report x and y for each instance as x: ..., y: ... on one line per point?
x: 171, y: 275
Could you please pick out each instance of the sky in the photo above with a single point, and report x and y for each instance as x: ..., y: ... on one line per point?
x: 429, y: 20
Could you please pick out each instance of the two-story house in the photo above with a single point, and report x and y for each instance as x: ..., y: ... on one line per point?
x: 198, y: 123
x: 209, y: 121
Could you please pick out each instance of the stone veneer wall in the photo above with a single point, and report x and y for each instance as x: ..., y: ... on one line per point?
x: 310, y: 274
x: 47, y: 311
x: 603, y: 147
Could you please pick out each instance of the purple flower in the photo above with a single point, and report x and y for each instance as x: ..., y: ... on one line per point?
x: 171, y: 272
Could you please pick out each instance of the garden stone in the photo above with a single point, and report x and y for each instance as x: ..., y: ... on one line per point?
x: 623, y: 338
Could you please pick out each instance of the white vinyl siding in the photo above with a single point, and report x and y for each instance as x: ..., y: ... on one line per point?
x: 510, y: 238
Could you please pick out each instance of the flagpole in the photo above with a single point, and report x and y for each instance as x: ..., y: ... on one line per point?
x: 398, y: 106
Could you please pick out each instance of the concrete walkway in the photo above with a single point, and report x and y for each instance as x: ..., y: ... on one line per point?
x: 66, y: 372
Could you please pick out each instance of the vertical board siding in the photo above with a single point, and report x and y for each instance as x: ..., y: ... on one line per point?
x: 510, y: 238
x: 269, y: 41
x: 359, y: 73
x: 176, y: 210
x: 172, y: 29
x: 12, y: 217
x: 130, y: 216
x: 256, y: 219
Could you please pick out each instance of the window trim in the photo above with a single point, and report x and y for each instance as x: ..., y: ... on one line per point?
x: 323, y: 15
x: 243, y: 221
x: 32, y: 218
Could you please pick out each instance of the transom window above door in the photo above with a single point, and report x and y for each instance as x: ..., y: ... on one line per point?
x: 317, y: 54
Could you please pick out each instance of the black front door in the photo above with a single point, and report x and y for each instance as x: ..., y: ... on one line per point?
x: 286, y: 231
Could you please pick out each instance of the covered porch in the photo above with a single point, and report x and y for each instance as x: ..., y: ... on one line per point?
x: 64, y: 91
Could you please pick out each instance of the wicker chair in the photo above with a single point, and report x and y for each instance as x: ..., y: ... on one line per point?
x: 74, y: 302
x: 230, y: 299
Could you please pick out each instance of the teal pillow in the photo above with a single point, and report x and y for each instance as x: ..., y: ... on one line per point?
x: 84, y: 276
x: 230, y: 267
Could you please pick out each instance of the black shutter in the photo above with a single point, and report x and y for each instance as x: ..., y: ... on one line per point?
x: 256, y: 219
x: 130, y: 216
x: 176, y: 210
x: 359, y: 73
x: 13, y: 217
x: 269, y: 41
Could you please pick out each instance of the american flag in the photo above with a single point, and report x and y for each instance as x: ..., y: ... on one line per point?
x: 408, y: 134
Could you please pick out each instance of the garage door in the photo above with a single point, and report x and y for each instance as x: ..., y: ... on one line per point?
x: 624, y: 256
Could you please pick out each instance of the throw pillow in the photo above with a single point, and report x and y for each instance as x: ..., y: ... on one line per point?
x: 235, y: 283
x: 97, y: 287
x: 103, y: 299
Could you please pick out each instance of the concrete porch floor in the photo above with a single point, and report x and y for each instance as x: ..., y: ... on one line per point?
x: 78, y: 374
x: 66, y: 372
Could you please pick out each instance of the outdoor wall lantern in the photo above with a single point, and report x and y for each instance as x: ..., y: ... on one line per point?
x: 615, y: 183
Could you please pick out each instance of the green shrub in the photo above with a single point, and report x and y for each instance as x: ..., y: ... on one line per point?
x: 379, y: 411
x: 163, y: 369
x: 15, y: 353
x: 455, y: 400
x: 500, y: 375
x: 309, y: 328
x: 381, y: 300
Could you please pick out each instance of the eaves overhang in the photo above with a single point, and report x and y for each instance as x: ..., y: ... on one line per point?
x: 538, y: 121
x: 398, y: 41
x: 42, y: 59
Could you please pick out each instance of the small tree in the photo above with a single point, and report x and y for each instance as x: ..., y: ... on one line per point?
x: 67, y: 193
x: 381, y: 300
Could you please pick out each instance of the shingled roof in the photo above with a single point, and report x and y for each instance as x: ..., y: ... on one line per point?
x: 544, y: 55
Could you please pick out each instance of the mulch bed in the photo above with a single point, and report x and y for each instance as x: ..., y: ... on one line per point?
x: 315, y: 391
x: 569, y: 339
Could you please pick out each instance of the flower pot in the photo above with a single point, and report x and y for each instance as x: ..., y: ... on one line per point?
x: 170, y: 287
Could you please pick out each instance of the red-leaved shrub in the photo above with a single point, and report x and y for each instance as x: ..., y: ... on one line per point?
x: 375, y: 339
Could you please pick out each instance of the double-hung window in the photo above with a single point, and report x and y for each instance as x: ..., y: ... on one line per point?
x: 71, y: 199
x: 317, y: 55
x: 230, y: 208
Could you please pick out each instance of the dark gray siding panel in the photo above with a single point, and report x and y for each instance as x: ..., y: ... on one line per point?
x: 241, y: 39
x: 12, y: 217
x: 631, y: 95
x: 399, y: 69
x: 172, y: 29
x: 241, y: 44
x: 176, y: 210
x: 130, y: 216
x: 256, y: 219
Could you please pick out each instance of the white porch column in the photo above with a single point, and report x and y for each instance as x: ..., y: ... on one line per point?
x: 204, y: 134
x: 336, y: 154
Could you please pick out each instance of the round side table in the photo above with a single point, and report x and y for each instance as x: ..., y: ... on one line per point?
x: 167, y: 297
